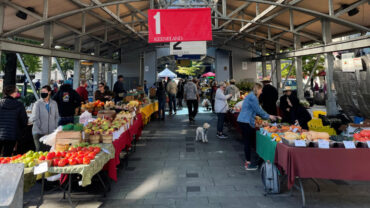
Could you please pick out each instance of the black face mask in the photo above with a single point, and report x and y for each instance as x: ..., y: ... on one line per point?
x: 44, y: 95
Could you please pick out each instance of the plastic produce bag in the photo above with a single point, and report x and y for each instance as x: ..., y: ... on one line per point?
x: 50, y: 138
x: 85, y: 117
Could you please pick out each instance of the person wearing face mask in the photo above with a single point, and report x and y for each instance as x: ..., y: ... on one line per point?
x: 45, y: 117
x: 13, y: 120
x: 81, y: 90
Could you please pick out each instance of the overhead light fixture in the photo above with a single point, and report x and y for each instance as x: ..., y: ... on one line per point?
x: 351, y: 12
x: 23, y: 15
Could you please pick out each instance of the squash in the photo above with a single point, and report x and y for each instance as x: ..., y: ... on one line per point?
x: 291, y: 136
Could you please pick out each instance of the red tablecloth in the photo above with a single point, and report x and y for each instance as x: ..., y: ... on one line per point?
x: 334, y: 163
x: 121, y: 143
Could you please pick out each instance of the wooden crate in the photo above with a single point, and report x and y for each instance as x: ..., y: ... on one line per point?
x: 107, y: 114
x: 68, y: 138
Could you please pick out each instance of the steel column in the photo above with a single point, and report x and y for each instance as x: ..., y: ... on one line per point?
x: 46, y: 60
x: 97, y: 67
x: 59, y: 69
x: 2, y: 14
x: 278, y: 70
x: 109, y: 78
x: 331, y: 105
x: 25, y: 71
x: 298, y: 68
x: 76, y: 65
x: 264, y: 70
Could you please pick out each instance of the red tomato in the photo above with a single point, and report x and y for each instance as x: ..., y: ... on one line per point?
x: 97, y: 150
x: 62, y: 162
x: 42, y: 157
x: 81, y: 153
x: 86, y: 161
x: 72, y: 149
x: 68, y: 155
x: 72, y: 161
x: 79, y: 148
x: 55, y: 162
x: 58, y: 154
x: 84, y: 149
x: 92, y: 155
x: 50, y: 155
x: 64, y: 154
x: 80, y: 160
x: 91, y: 149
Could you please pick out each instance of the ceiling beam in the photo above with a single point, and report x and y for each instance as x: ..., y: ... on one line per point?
x: 17, y: 47
x: 235, y: 11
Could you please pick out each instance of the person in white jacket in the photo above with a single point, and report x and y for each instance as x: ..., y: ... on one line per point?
x: 221, y: 107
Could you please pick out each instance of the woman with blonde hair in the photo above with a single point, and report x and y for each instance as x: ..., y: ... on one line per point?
x: 221, y: 107
x: 246, y: 118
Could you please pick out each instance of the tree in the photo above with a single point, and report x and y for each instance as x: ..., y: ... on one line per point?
x: 308, y: 63
x: 195, y: 69
x: 32, y: 62
x: 65, y: 64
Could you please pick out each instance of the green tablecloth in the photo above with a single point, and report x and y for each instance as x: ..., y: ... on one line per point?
x: 265, y: 147
x: 88, y: 171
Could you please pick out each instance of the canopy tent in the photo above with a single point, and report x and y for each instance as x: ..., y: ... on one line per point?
x: 167, y: 73
x: 209, y: 74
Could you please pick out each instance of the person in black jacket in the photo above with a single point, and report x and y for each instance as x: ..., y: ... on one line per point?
x: 293, y: 111
x: 269, y: 97
x: 180, y: 93
x: 13, y: 120
x: 161, y: 96
x: 118, y: 89
x: 68, y: 101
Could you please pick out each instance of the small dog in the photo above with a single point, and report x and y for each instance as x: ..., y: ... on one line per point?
x: 202, y: 133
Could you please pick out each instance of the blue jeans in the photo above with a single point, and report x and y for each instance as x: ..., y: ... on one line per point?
x: 161, y: 108
x: 172, y: 102
x: 220, y: 122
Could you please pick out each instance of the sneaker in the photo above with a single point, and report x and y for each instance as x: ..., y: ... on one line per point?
x: 246, y: 164
x: 252, y: 167
x: 221, y: 136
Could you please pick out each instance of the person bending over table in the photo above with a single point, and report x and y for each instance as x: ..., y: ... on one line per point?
x: 246, y: 119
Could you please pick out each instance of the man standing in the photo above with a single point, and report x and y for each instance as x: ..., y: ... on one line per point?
x: 269, y: 97
x: 234, y: 90
x: 191, y: 97
x: 172, y: 91
x: 118, y: 89
x: 146, y: 90
x: 82, y: 91
x: 68, y: 102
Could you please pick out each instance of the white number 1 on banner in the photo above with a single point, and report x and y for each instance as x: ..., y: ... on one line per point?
x: 157, y: 18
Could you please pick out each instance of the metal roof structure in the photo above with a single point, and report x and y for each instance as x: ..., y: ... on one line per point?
x: 110, y: 24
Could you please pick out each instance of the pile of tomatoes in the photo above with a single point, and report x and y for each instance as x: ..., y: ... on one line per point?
x: 74, y: 156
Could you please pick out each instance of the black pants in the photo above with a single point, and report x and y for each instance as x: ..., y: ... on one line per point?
x: 220, y: 122
x: 213, y: 105
x: 172, y: 102
x: 66, y: 120
x: 179, y: 102
x: 161, y: 109
x: 192, y: 108
x: 7, y: 147
x: 248, y: 138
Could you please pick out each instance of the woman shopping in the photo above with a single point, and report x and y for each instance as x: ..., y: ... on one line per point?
x: 45, y: 117
x: 103, y: 94
x: 13, y: 120
x: 246, y: 118
x: 221, y: 108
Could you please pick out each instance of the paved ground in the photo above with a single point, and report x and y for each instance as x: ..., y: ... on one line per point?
x: 170, y: 170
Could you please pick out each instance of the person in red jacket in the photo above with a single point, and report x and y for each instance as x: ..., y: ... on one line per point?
x: 81, y: 90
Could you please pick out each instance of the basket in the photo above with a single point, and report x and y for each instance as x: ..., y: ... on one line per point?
x: 317, y: 113
x: 107, y: 139
x: 94, y: 139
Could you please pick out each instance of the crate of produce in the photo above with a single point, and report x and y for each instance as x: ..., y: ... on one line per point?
x: 317, y: 113
x: 68, y: 138
x: 107, y: 114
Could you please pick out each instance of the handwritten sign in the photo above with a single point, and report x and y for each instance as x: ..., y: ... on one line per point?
x: 323, y: 144
x: 41, y: 168
x: 299, y: 143
x: 349, y: 144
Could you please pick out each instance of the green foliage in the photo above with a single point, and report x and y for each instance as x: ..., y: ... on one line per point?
x: 65, y: 64
x: 308, y: 62
x: 245, y: 85
x: 195, y: 70
x: 32, y: 62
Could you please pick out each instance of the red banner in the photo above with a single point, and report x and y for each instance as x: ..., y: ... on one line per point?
x: 173, y: 25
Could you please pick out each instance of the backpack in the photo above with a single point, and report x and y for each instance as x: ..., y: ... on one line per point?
x: 270, y: 178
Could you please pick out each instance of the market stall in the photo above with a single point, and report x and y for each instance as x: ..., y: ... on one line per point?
x: 301, y: 154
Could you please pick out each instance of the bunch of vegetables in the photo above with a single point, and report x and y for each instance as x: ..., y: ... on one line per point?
x: 363, y: 136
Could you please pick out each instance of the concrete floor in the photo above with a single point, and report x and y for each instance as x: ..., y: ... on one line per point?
x: 170, y: 170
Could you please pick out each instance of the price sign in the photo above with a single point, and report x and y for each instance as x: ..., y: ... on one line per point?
x: 349, y: 144
x: 323, y: 144
x: 295, y: 130
x: 368, y: 144
x: 300, y: 143
x: 116, y: 135
x: 41, y: 168
x: 174, y: 25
